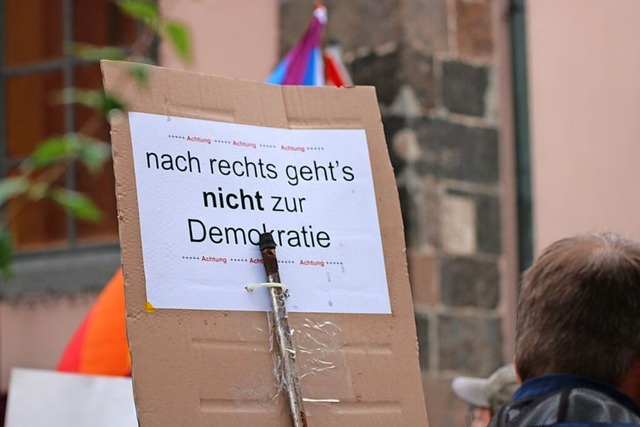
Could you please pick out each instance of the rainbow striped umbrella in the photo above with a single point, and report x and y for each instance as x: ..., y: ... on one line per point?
x: 307, y: 63
x: 99, y: 345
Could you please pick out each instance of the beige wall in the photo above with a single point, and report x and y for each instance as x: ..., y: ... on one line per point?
x: 33, y: 335
x: 231, y: 38
x: 584, y: 70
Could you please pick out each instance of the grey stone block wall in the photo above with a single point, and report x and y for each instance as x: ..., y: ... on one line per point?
x: 433, y: 65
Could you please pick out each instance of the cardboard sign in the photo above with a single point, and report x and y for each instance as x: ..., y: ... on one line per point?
x: 313, y: 189
x: 186, y: 158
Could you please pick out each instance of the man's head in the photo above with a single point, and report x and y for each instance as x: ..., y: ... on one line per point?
x: 579, y: 310
x: 486, y: 395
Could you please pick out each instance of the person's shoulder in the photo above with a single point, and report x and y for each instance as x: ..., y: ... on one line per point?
x: 592, y: 424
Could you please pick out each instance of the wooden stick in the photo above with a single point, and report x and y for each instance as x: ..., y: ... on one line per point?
x: 288, y: 368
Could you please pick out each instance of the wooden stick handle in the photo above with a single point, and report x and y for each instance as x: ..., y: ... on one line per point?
x: 288, y: 368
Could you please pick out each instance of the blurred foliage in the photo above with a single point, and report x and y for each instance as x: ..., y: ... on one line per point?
x: 39, y: 173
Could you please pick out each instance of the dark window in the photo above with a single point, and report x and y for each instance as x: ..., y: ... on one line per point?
x: 35, y: 65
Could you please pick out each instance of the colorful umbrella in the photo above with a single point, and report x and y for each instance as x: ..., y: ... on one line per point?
x: 307, y: 64
x: 99, y: 345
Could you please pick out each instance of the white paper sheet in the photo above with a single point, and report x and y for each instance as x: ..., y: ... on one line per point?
x: 40, y: 398
x: 206, y: 190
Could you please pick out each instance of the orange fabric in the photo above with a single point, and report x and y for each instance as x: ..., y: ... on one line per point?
x: 70, y: 360
x: 104, y: 349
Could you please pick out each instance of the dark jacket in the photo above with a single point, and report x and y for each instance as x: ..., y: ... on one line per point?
x: 567, y: 401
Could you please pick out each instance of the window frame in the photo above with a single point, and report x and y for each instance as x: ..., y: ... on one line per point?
x: 76, y: 265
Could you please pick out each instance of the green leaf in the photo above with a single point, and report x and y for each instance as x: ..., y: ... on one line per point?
x: 38, y: 190
x: 53, y: 150
x: 143, y: 10
x: 109, y: 103
x: 6, y: 251
x: 90, y: 151
x: 72, y: 95
x: 140, y: 73
x: 95, y: 99
x: 77, y: 204
x: 179, y: 37
x: 11, y: 187
x: 96, y: 53
x: 93, y: 153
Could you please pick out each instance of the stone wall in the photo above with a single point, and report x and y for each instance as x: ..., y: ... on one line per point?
x: 433, y: 65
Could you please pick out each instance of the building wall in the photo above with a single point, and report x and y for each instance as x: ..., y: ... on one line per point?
x: 34, y: 334
x: 584, y: 105
x: 439, y: 72
x: 234, y: 38
x: 42, y: 305
x: 231, y: 38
